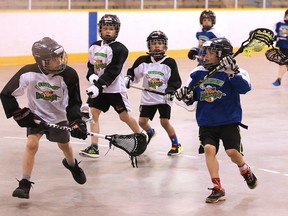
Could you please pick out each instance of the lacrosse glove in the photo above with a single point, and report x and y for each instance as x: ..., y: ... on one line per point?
x: 169, y: 95
x: 79, y: 129
x: 185, y: 94
x: 25, y: 118
x: 193, y: 52
x: 93, y: 78
x: 229, y: 65
x: 128, y: 81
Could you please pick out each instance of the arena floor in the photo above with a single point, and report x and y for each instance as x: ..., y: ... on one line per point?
x: 162, y: 185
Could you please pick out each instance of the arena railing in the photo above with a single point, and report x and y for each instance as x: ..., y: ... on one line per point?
x: 137, y: 4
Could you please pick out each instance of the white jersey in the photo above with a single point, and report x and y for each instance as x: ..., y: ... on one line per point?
x: 106, y: 61
x: 161, y: 76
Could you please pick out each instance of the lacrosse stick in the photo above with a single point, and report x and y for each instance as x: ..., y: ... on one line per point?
x: 149, y: 90
x: 276, y: 56
x: 258, y: 39
x: 179, y: 103
x: 133, y: 144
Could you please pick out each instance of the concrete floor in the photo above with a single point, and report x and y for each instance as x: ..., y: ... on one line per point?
x: 162, y: 185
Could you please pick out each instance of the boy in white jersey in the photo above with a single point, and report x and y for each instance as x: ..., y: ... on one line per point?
x: 53, y: 95
x: 160, y: 73
x: 106, y: 59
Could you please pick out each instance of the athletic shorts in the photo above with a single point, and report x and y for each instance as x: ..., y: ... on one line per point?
x: 149, y: 111
x: 229, y: 134
x: 119, y: 101
x: 284, y: 51
x: 52, y: 134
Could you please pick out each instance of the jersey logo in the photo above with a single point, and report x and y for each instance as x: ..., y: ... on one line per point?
x: 209, y: 94
x: 99, y: 65
x: 47, y: 93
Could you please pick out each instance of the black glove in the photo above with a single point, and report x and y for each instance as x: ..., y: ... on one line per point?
x: 25, y: 118
x: 79, y: 129
x: 193, y: 52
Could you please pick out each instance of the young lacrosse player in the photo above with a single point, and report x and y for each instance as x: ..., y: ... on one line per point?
x: 281, y: 30
x: 219, y: 112
x: 106, y: 59
x: 53, y: 96
x: 207, y: 31
x: 160, y: 73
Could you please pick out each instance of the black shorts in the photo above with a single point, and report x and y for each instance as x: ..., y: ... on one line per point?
x: 52, y: 134
x: 148, y: 111
x: 103, y: 102
x: 229, y: 134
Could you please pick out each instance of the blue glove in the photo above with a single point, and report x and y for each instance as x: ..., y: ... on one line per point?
x: 79, y: 129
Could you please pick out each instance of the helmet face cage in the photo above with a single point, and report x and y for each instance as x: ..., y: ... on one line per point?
x: 154, y: 37
x: 210, y: 15
x: 109, y: 20
x: 221, y: 46
x: 46, y: 51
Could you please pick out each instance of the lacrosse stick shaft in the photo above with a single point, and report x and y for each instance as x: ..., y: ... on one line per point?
x: 66, y: 128
x: 149, y: 90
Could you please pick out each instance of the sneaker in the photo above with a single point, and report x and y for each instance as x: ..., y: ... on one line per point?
x: 91, y: 151
x: 277, y: 82
x: 85, y: 113
x: 23, y: 190
x: 175, y: 150
x: 250, y: 178
x: 216, y: 195
x: 77, y: 173
x: 150, y: 137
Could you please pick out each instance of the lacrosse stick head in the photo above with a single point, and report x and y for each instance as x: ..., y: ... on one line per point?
x: 276, y: 56
x: 133, y: 144
x: 258, y: 39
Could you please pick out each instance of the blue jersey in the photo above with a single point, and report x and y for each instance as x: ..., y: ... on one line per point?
x: 203, y: 36
x: 219, y: 96
x: 281, y: 30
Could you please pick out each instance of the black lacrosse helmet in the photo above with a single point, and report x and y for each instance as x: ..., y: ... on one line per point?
x: 111, y: 20
x: 157, y: 36
x: 221, y: 46
x: 47, y: 49
x: 210, y: 15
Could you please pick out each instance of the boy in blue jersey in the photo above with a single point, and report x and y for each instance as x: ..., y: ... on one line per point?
x: 219, y: 112
x: 281, y: 30
x: 206, y: 32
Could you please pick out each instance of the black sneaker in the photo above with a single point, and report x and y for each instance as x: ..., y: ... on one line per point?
x: 250, y: 178
x: 175, y: 150
x: 23, y: 190
x: 77, y: 173
x: 216, y: 195
x: 91, y: 151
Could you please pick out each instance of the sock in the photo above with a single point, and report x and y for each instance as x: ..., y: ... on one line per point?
x: 95, y: 145
x: 174, y: 140
x: 150, y: 132
x: 216, y: 182
x: 25, y: 176
x: 71, y: 163
x: 243, y: 167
